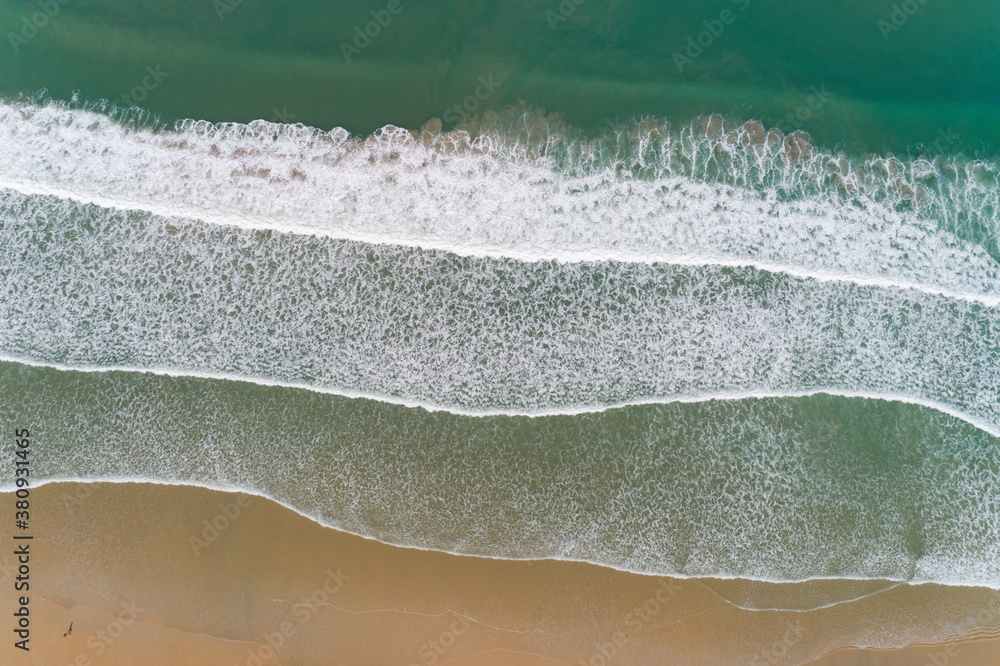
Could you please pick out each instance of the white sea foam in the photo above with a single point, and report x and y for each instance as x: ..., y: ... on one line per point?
x: 90, y: 287
x: 536, y: 274
x: 986, y: 427
x: 533, y: 192
x: 765, y: 489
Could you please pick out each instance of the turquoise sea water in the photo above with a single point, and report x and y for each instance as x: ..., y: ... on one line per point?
x: 934, y: 79
x: 704, y: 289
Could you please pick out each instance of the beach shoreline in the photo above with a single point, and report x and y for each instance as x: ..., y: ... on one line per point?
x: 182, y: 574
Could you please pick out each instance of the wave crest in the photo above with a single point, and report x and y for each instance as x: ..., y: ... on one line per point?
x: 524, y: 185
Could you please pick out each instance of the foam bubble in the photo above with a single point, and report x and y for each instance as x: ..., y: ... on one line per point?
x: 85, y: 286
x: 769, y: 489
x: 528, y: 188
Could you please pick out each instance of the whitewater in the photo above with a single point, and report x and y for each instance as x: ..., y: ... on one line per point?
x: 704, y: 350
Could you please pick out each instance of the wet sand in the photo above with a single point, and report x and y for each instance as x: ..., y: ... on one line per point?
x: 982, y: 652
x: 153, y: 574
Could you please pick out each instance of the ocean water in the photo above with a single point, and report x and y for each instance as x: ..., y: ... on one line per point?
x: 775, y: 489
x: 702, y: 289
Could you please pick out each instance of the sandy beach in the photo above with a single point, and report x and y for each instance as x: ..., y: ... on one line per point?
x: 158, y: 574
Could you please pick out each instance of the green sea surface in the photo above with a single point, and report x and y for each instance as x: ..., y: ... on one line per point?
x: 919, y: 76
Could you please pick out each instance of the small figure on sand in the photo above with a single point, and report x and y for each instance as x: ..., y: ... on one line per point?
x: 70, y: 630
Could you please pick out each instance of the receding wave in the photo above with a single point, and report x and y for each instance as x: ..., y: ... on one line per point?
x: 89, y: 287
x: 525, y: 186
x: 768, y: 489
x: 572, y: 411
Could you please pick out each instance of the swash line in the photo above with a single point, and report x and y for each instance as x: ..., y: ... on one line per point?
x: 975, y: 422
x: 9, y: 488
x: 479, y: 252
x: 782, y: 609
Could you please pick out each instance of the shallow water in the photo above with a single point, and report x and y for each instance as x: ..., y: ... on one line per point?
x: 933, y: 81
x: 760, y: 488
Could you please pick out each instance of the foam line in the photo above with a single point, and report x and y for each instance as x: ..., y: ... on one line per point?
x: 653, y: 193
x: 522, y: 255
x: 88, y: 287
x: 776, y: 489
x: 784, y: 609
x: 730, y: 396
x: 7, y: 488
